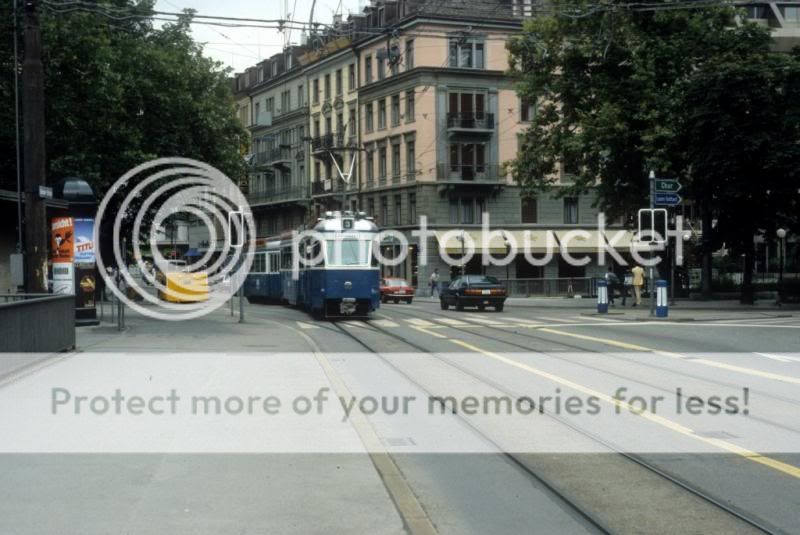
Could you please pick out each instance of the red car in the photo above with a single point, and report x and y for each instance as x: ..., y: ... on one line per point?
x: 396, y: 290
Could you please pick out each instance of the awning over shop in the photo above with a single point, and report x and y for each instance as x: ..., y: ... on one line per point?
x: 495, y: 241
x: 537, y: 241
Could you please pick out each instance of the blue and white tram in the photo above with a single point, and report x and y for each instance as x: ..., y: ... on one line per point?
x: 333, y: 275
x: 263, y: 283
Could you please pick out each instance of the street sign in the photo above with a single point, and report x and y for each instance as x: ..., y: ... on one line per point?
x: 653, y: 225
x: 667, y: 186
x: 45, y: 192
x: 667, y: 199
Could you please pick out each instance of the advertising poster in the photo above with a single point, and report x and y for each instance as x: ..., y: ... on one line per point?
x: 62, y: 238
x: 84, y: 241
x: 85, y: 270
x: 63, y: 278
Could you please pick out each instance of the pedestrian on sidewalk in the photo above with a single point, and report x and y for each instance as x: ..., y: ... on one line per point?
x: 434, y: 280
x: 627, y: 283
x: 611, y: 283
x: 638, y: 282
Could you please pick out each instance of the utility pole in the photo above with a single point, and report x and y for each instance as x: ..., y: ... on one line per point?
x: 34, y: 152
x: 651, y: 283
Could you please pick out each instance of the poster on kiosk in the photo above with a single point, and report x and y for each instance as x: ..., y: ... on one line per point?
x: 85, y: 272
x: 62, y: 247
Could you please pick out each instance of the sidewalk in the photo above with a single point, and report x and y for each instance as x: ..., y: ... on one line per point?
x: 589, y: 303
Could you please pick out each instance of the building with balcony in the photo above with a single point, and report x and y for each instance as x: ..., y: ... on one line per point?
x: 278, y: 189
x: 330, y: 70
x: 782, y: 18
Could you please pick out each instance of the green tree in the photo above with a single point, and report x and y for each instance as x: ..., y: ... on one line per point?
x: 120, y: 92
x: 612, y: 86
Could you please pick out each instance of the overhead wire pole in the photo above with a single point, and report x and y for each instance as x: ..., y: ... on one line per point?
x: 651, y: 282
x: 34, y: 152
x: 16, y: 127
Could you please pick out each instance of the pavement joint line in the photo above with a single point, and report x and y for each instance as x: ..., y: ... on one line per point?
x: 706, y: 362
x: 408, y: 506
x: 750, y: 455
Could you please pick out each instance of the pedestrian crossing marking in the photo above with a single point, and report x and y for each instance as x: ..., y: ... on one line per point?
x: 355, y: 324
x: 451, y: 321
x: 524, y: 321
x: 483, y: 320
x: 557, y: 320
x: 384, y: 323
x: 420, y: 322
x: 304, y: 325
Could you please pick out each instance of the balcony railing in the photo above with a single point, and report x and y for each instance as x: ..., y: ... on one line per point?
x: 328, y: 141
x: 325, y: 187
x: 469, y: 173
x: 280, y: 155
x: 275, y: 195
x: 476, y: 121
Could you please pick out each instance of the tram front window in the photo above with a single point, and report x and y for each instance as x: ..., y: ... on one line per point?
x: 348, y: 252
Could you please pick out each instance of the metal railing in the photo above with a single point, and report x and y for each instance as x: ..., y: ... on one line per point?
x: 471, y: 121
x: 328, y: 141
x: 469, y: 173
x: 324, y: 187
x: 277, y: 195
x: 280, y: 154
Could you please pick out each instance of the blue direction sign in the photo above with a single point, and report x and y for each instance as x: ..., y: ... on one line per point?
x: 667, y: 199
x: 668, y: 185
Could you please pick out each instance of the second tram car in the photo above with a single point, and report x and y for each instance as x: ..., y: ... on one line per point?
x: 334, y: 274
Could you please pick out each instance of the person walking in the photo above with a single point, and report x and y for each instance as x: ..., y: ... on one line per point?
x: 627, y: 282
x: 434, y: 280
x: 611, y: 283
x: 638, y: 282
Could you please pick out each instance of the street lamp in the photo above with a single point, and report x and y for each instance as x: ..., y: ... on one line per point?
x: 781, y: 234
x: 508, y: 252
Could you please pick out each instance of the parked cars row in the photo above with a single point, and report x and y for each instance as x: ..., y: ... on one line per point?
x: 479, y: 291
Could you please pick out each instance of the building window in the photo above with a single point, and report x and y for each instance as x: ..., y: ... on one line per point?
x: 351, y: 77
x: 369, y: 120
x: 370, y: 166
x: 395, y: 110
x: 412, y: 208
x: 570, y: 210
x: 526, y: 109
x: 339, y: 85
x: 317, y: 172
x: 315, y: 91
x: 396, y: 160
x: 467, y: 54
x: 371, y: 208
x: 286, y: 101
x: 384, y: 211
x: 328, y: 125
x: 530, y: 210
x: 382, y: 164
x: 327, y: 87
x: 791, y: 14
x: 381, y: 66
x: 410, y: 105
x: 409, y: 54
x: 466, y: 210
x: 340, y: 123
x: 411, y: 158
x: 351, y: 122
x: 381, y: 114
x: 467, y: 160
x: 316, y: 127
x: 368, y: 69
x: 398, y: 210
x: 301, y: 96
x: 468, y: 105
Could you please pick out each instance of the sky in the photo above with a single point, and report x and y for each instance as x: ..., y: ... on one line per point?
x: 240, y: 48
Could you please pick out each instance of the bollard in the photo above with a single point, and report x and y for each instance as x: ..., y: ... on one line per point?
x: 602, y: 297
x: 662, y: 299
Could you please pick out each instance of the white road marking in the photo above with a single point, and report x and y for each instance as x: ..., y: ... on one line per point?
x: 479, y: 319
x: 592, y: 318
x: 779, y: 358
x: 557, y: 320
x: 451, y: 321
x: 420, y: 322
x: 523, y: 321
x: 384, y: 323
x: 358, y: 324
x: 304, y: 325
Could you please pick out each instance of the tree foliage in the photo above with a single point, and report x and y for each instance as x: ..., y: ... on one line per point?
x: 119, y: 93
x: 694, y: 94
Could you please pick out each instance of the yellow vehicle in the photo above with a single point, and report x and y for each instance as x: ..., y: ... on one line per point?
x: 183, y: 286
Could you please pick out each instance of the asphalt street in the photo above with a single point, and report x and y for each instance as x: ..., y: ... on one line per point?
x: 537, y: 419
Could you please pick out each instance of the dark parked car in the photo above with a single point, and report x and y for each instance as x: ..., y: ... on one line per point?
x: 393, y: 289
x: 474, y: 291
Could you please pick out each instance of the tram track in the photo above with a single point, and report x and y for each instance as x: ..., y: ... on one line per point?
x: 735, y: 512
